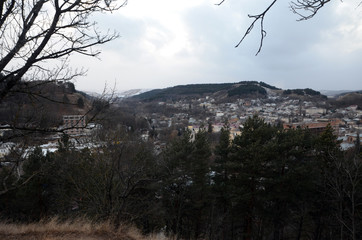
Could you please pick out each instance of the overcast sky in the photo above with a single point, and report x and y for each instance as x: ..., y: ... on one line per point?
x: 165, y: 43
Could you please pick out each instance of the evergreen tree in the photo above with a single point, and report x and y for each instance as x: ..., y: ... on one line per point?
x: 222, y: 221
x: 200, y: 188
x: 30, y: 201
x: 186, y: 185
x: 176, y: 184
x: 284, y: 195
x: 65, y: 98
x: 210, y: 128
x: 80, y: 102
x: 250, y: 156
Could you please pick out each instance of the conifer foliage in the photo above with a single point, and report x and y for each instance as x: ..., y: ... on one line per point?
x: 266, y: 183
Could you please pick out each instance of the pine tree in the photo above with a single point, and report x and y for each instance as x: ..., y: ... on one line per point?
x: 186, y: 185
x: 222, y: 206
x: 176, y: 184
x: 80, y: 102
x: 250, y: 156
x: 200, y: 190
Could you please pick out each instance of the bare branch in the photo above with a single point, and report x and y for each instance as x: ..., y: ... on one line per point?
x: 251, y: 26
x: 310, y: 6
x: 14, y: 185
x: 218, y: 4
x: 35, y: 31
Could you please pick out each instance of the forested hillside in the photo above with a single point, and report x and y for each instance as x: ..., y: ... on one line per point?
x: 42, y: 104
x: 266, y: 183
x: 347, y: 99
x: 241, y: 89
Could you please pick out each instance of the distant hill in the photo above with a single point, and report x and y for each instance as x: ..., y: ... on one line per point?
x: 43, y: 104
x: 336, y: 93
x: 349, y: 93
x: 118, y: 95
x: 306, y: 92
x: 348, y: 99
x: 240, y: 89
x: 244, y: 89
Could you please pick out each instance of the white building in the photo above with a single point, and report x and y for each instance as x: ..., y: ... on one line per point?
x: 5, y: 148
x: 74, y: 124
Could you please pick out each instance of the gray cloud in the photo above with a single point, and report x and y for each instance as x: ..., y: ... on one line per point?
x: 196, y: 45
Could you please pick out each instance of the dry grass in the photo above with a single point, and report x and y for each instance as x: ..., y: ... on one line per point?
x: 70, y: 230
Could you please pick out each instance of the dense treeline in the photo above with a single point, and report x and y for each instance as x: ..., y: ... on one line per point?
x: 37, y: 104
x: 302, y: 92
x: 346, y: 100
x: 179, y: 91
x: 242, y: 88
x: 247, y: 90
x: 264, y: 184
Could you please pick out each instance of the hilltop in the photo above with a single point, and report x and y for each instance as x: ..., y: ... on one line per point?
x: 226, y: 92
x: 347, y: 99
x: 43, y: 104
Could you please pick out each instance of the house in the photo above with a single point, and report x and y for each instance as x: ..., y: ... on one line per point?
x: 352, y: 138
x: 234, y: 132
x: 3, y: 129
x: 314, y: 127
x: 5, y: 148
x: 352, y: 108
x: 74, y: 124
x: 315, y: 111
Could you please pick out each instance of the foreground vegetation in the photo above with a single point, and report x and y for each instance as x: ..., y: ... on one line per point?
x: 267, y: 183
x: 70, y: 230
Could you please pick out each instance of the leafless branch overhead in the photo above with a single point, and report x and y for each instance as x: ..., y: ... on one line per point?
x: 311, y: 7
x: 259, y: 17
x: 34, y: 32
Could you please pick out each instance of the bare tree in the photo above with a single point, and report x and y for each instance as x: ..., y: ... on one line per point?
x: 344, y: 182
x: 34, y: 33
x: 305, y: 9
x: 37, y: 39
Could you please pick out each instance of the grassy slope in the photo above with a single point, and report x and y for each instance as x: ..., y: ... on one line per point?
x: 75, y: 230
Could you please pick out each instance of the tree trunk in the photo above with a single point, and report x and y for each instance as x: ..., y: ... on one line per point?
x: 300, y: 227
